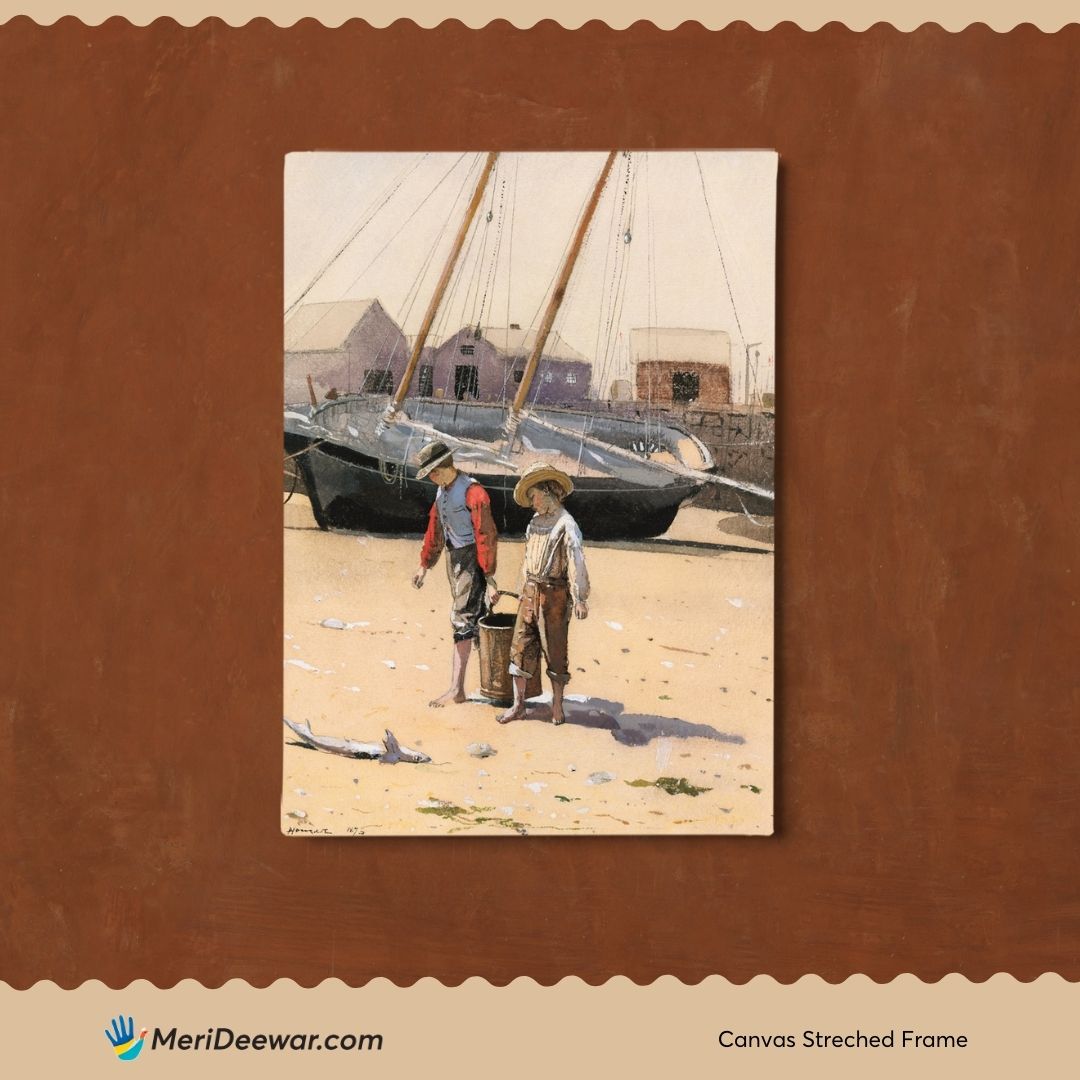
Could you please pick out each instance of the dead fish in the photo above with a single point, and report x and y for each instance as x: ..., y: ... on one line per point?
x: 390, y: 750
x: 395, y: 752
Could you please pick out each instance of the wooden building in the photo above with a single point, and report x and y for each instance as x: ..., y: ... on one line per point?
x: 487, y: 364
x: 674, y: 366
x: 347, y: 345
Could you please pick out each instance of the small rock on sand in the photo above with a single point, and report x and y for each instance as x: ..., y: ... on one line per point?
x: 480, y: 750
x: 600, y: 778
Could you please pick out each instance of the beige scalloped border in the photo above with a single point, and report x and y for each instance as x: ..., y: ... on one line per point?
x: 571, y: 1029
x: 999, y: 15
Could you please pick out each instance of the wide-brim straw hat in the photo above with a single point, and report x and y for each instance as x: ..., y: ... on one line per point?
x: 431, y: 457
x: 537, y: 474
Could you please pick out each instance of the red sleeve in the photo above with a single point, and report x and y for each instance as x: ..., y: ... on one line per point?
x: 433, y: 540
x: 487, y: 537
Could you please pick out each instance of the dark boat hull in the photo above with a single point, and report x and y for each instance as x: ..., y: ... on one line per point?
x: 361, y: 476
x: 354, y: 492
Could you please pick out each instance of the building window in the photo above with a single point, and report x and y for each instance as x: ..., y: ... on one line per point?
x: 468, y: 350
x: 466, y: 381
x: 548, y: 377
x: 571, y: 377
x: 426, y: 387
x: 378, y: 382
x: 685, y: 386
x: 518, y: 376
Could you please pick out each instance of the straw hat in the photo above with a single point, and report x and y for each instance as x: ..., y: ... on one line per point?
x: 431, y: 457
x: 537, y: 473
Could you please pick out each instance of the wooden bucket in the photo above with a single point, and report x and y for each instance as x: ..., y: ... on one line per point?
x: 496, y: 682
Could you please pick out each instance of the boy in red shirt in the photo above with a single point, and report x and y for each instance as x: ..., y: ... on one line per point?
x: 461, y: 521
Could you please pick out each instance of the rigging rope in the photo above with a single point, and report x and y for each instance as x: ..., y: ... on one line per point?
x: 723, y: 262
x: 365, y: 220
x: 391, y: 240
x: 295, y: 481
x: 419, y: 206
x: 544, y: 362
x: 495, y: 256
x: 414, y: 289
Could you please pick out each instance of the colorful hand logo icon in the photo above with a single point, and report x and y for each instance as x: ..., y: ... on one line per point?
x: 123, y: 1039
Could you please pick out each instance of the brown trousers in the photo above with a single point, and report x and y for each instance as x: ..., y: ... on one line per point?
x: 549, y: 605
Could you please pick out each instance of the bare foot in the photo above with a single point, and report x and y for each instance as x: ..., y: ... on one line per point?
x: 451, y: 697
x: 517, y: 712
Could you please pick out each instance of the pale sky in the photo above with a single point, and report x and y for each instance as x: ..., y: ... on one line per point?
x: 669, y: 274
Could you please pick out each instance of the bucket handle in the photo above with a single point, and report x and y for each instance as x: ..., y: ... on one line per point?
x: 502, y: 593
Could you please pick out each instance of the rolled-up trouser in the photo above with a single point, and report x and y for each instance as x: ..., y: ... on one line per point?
x: 466, y: 591
x: 549, y: 604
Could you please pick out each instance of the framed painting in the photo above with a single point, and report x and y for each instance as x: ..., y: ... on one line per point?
x: 552, y: 374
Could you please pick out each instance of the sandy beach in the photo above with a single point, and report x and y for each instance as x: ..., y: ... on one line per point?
x: 672, y: 680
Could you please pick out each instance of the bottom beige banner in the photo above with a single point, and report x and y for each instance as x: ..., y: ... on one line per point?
x: 764, y: 1029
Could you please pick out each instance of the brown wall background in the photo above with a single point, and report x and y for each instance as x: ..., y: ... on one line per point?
x: 928, y: 477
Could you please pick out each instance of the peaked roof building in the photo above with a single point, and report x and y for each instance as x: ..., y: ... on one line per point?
x: 343, y: 346
x: 324, y: 327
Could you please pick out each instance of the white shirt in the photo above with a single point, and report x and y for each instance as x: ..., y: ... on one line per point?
x: 553, y: 549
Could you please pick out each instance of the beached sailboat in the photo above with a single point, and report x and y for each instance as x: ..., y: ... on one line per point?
x: 357, y: 457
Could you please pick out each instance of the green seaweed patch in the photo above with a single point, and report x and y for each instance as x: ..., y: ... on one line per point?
x: 503, y: 823
x: 566, y: 798
x: 751, y: 787
x: 469, y: 815
x: 673, y: 785
x: 445, y: 810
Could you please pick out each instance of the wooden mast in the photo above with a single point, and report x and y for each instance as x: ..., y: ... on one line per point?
x: 558, y: 294
x: 440, y: 288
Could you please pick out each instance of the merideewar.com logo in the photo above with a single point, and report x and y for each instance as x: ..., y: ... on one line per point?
x: 122, y: 1038
x: 223, y: 1038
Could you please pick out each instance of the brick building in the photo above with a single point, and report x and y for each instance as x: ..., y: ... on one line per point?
x: 675, y: 366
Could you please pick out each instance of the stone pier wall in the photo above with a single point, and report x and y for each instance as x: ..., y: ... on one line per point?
x: 740, y: 439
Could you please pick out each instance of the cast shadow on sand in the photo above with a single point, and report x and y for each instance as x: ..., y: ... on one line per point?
x: 629, y: 729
